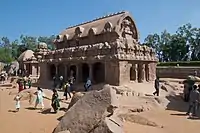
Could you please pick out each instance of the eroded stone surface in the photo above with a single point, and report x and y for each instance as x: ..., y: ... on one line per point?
x: 91, y: 113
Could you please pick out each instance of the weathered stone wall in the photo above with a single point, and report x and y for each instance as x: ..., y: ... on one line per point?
x: 176, y: 72
x: 124, y: 72
x: 43, y: 74
x: 112, y: 72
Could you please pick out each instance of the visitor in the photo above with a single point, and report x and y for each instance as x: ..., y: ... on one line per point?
x: 61, y: 82
x: 71, y: 82
x: 67, y: 90
x: 54, y: 82
x: 156, y: 85
x: 17, y: 105
x: 186, y: 91
x: 25, y: 81
x: 20, y: 85
x: 88, y: 84
x: 198, y: 107
x: 194, y: 100
x: 29, y: 83
x: 55, y: 101
x: 39, y: 98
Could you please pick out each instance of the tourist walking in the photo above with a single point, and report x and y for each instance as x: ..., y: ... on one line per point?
x: 20, y: 85
x: 61, y: 82
x: 156, y: 85
x: 54, y: 82
x: 25, y: 81
x: 71, y: 82
x: 194, y: 100
x: 17, y: 105
x: 67, y: 90
x: 39, y: 98
x: 29, y: 83
x: 88, y: 84
x: 55, y: 101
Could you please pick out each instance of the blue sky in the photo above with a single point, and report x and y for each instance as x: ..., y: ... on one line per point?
x: 48, y: 17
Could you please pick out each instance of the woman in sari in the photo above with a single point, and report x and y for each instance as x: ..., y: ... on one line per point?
x: 20, y: 84
x: 55, y: 101
x: 39, y: 98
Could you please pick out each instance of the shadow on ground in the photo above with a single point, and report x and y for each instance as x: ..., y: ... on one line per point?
x: 177, y: 104
x: 12, y: 111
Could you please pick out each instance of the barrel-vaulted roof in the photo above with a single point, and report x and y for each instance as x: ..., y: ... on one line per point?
x: 26, y: 55
x: 97, y: 26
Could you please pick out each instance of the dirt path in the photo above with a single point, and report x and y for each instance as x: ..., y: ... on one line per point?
x: 32, y: 121
x: 27, y: 120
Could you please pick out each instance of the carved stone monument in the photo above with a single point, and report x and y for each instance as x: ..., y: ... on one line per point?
x: 106, y: 50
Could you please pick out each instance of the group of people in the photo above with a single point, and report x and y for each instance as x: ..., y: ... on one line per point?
x: 194, y: 100
x: 24, y: 83
x: 191, y: 95
x: 39, y: 100
x: 55, y: 100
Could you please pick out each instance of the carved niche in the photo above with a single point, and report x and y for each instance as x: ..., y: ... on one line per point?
x: 108, y: 27
x: 78, y: 33
x: 128, y: 29
x: 91, y: 35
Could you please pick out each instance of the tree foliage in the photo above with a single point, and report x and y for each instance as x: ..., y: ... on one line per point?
x: 11, y: 50
x: 184, y: 45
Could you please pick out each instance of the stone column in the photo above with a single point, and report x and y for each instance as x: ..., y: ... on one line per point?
x: 143, y: 72
x: 135, y: 71
x: 66, y: 74
x: 56, y: 65
x: 141, y: 76
x: 90, y: 72
x: 147, y: 72
x: 38, y: 72
x: 77, y: 73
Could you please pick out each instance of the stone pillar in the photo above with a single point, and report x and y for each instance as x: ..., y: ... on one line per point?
x: 56, y: 65
x: 38, y: 72
x: 66, y: 74
x: 135, y: 71
x: 77, y: 73
x: 147, y: 72
x: 141, y: 75
x: 90, y: 72
x: 143, y: 72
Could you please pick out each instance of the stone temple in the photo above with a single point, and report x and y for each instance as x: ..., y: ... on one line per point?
x: 106, y: 50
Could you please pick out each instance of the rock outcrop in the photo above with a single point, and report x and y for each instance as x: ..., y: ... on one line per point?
x: 93, y: 113
x: 75, y: 98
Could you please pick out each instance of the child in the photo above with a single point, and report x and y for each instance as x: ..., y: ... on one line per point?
x: 17, y: 99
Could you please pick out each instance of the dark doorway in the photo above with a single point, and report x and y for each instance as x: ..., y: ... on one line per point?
x: 61, y: 70
x: 147, y: 72
x: 73, y: 71
x: 85, y: 72
x: 52, y: 71
x: 98, y: 72
x: 132, y: 74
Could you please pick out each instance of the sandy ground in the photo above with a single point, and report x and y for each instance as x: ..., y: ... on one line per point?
x: 33, y: 121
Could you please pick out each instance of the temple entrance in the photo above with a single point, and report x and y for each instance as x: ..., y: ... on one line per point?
x: 98, y: 72
x: 28, y: 69
x: 72, y: 70
x: 61, y: 70
x: 132, y: 74
x: 85, y: 72
x: 52, y: 71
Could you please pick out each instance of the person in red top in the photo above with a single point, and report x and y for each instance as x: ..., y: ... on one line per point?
x: 20, y: 84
